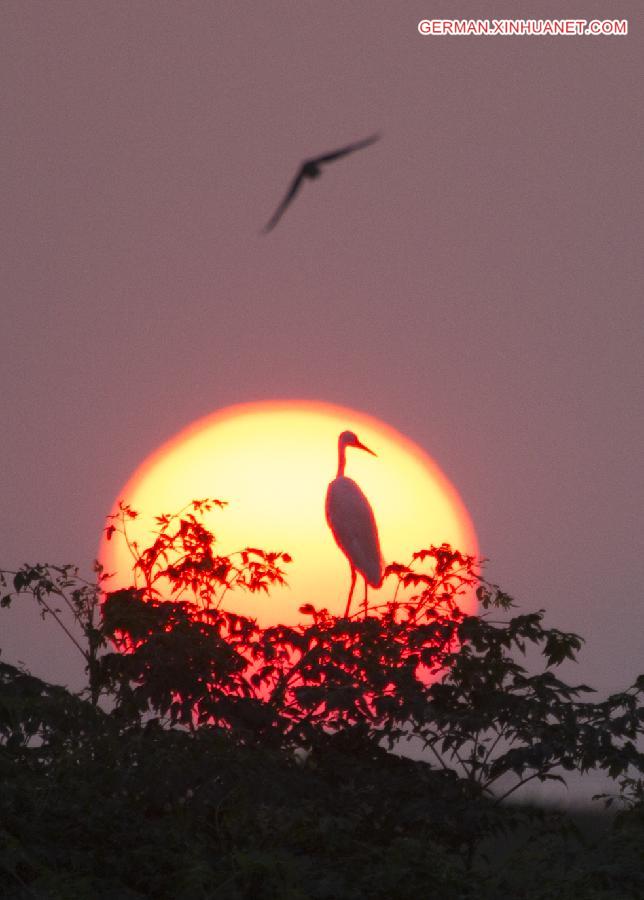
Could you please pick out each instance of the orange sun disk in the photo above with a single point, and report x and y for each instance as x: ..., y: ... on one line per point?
x: 272, y: 462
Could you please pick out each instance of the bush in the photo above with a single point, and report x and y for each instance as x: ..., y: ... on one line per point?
x: 210, y: 757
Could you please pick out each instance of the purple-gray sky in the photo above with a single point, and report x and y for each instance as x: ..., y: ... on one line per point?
x: 474, y: 279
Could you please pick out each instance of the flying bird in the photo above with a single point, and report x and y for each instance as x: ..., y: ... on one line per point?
x: 311, y: 168
x: 350, y: 518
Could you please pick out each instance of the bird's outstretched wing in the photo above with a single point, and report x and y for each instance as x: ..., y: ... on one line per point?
x: 336, y: 154
x: 292, y: 191
x: 304, y: 171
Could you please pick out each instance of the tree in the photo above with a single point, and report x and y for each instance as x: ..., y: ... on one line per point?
x: 169, y: 664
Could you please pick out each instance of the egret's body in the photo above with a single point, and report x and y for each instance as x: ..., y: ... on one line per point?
x: 352, y: 522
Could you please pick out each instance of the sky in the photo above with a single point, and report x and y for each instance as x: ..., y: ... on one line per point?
x: 474, y: 279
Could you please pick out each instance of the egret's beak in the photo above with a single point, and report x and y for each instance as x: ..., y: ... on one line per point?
x: 362, y: 447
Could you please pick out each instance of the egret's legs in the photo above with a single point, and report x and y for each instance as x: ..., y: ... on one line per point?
x: 353, y: 584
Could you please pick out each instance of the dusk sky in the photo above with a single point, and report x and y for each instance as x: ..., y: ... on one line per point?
x: 473, y: 279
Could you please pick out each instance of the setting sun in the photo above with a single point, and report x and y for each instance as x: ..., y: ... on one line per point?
x: 271, y: 462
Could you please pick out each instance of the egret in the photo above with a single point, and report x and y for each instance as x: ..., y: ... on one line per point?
x: 312, y: 168
x: 350, y: 518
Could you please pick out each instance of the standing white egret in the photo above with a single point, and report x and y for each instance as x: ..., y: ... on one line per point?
x: 352, y: 522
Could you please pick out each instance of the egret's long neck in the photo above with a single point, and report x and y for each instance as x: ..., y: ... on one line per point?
x: 342, y: 458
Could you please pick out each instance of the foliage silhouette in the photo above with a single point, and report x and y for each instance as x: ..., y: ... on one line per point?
x: 200, y: 711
